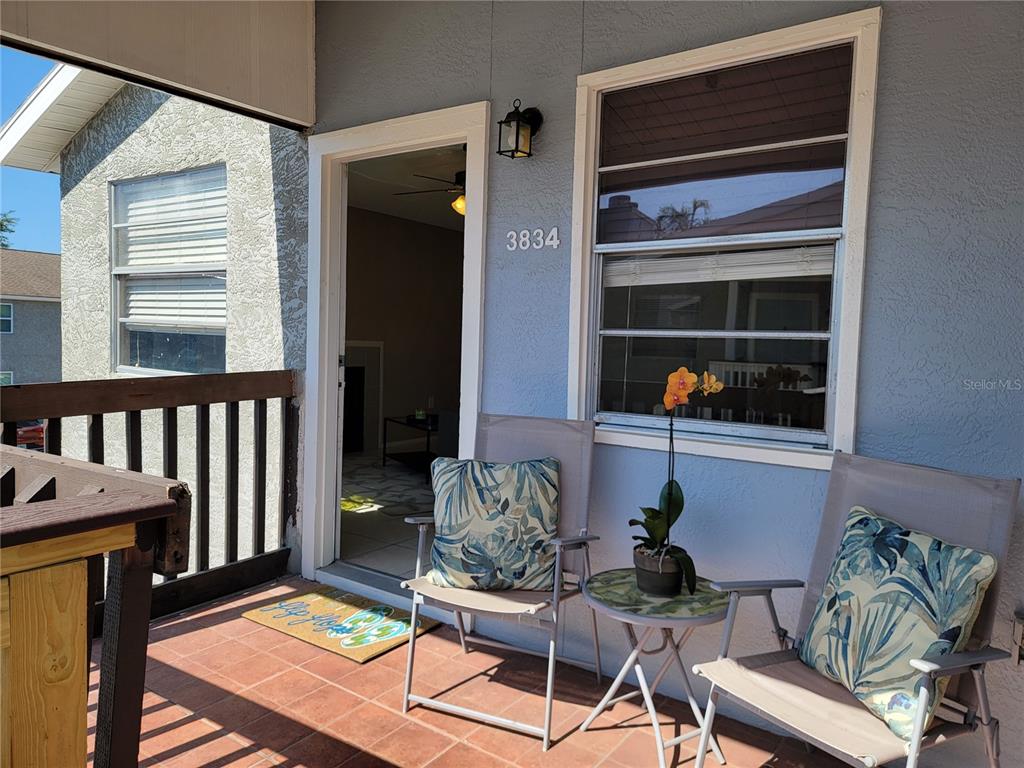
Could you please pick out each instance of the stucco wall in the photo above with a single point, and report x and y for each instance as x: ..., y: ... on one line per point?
x: 32, y: 352
x: 943, y: 297
x: 140, y: 133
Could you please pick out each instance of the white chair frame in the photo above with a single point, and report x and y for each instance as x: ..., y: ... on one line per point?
x: 913, y: 491
x: 551, y: 623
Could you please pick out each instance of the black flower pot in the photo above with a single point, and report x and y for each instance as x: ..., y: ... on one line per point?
x: 658, y: 576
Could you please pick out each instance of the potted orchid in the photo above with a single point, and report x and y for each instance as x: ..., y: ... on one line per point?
x: 661, y: 566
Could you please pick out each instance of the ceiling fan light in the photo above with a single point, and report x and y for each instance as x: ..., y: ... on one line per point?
x: 459, y: 205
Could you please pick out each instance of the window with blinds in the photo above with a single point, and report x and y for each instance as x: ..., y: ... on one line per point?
x: 169, y: 260
x: 719, y: 205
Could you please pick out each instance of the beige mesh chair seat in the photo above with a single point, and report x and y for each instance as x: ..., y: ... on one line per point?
x: 505, y: 602
x: 506, y: 439
x: 969, y: 511
x: 782, y: 689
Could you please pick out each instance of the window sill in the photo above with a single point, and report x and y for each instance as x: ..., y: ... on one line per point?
x: 132, y: 372
x: 719, y: 448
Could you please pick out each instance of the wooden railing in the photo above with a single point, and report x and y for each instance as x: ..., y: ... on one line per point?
x: 131, y: 396
x: 60, y: 518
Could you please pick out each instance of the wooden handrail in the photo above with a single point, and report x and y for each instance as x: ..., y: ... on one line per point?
x: 29, y: 523
x: 22, y: 402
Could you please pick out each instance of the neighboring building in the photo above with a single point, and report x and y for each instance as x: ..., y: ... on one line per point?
x: 166, y: 204
x: 183, y: 232
x: 29, y: 317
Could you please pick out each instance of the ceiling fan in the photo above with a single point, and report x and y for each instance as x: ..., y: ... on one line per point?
x: 458, y: 184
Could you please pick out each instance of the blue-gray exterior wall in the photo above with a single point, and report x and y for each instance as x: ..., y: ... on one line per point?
x: 32, y: 352
x: 944, y: 294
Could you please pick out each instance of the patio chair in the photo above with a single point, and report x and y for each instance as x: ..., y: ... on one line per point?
x: 507, y: 439
x: 974, y: 512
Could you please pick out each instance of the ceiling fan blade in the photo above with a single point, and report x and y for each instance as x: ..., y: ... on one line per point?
x: 421, y: 192
x: 433, y: 178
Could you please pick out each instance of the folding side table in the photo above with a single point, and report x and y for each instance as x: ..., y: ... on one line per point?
x: 644, y: 617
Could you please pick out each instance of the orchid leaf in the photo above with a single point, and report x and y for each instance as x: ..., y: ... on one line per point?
x: 685, y: 562
x: 671, y: 502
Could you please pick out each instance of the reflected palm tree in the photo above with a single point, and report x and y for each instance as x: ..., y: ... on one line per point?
x: 672, y: 219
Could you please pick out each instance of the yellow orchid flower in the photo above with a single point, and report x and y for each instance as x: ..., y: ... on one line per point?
x: 710, y: 384
x: 681, y: 381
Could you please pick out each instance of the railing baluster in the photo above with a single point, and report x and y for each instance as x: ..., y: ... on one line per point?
x: 95, y: 429
x: 231, y: 482
x: 133, y: 439
x: 170, y: 451
x: 10, y: 434
x: 259, y: 476
x: 289, y: 464
x: 51, y: 438
x: 171, y: 443
x: 7, y: 476
x: 202, y: 495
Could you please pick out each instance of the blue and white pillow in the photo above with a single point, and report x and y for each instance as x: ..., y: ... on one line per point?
x: 893, y: 595
x: 494, y: 524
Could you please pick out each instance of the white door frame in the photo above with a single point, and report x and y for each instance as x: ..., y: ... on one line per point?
x: 329, y: 154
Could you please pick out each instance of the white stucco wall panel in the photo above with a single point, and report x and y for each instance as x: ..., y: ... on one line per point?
x: 142, y: 133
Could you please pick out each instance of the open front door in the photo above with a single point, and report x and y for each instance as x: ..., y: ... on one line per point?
x: 397, y: 213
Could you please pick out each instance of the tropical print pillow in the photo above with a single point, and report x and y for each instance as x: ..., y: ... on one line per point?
x: 494, y: 524
x: 893, y: 595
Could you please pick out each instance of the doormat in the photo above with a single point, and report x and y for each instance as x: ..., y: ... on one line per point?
x: 351, y: 625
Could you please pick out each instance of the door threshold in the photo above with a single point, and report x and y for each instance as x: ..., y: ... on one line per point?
x: 376, y: 586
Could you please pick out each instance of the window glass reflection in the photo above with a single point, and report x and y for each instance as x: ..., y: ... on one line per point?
x: 773, y: 382
x: 782, y: 190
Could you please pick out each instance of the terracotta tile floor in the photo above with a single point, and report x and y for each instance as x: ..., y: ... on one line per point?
x: 224, y: 691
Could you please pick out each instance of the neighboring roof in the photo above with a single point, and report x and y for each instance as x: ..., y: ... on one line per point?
x: 63, y: 102
x: 29, y: 273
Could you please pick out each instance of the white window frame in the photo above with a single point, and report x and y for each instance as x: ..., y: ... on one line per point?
x: 119, y: 273
x: 862, y: 30
x: 10, y: 317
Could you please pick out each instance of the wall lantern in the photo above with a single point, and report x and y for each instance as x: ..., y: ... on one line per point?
x: 516, y: 131
x: 459, y: 205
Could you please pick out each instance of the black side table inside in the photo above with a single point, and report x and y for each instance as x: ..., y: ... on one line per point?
x: 418, y: 460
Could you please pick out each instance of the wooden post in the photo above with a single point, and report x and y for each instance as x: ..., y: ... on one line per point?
x: 125, y: 635
x: 289, y: 464
x: 48, y: 674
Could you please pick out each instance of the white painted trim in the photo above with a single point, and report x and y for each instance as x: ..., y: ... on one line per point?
x: 7, y: 298
x: 10, y: 317
x: 726, y: 448
x: 750, y: 149
x: 329, y: 154
x: 862, y: 29
x: 50, y: 88
x: 379, y: 346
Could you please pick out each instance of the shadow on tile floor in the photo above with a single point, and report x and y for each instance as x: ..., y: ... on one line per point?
x: 223, y: 691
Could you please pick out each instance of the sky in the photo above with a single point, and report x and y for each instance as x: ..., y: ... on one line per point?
x: 32, y: 197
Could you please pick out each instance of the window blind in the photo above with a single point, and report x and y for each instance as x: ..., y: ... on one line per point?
x: 741, y: 265
x: 177, y: 220
x: 194, y: 301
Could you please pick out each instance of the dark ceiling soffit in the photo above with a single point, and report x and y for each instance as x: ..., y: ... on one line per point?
x: 156, y: 85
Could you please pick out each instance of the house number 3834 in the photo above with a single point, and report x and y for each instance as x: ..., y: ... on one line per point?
x: 532, y: 239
